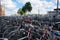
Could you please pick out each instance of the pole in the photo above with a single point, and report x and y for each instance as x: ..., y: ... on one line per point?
x: 57, y: 3
x: 38, y: 10
x: 57, y: 6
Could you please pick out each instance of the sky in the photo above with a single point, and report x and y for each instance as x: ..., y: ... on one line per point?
x: 41, y: 6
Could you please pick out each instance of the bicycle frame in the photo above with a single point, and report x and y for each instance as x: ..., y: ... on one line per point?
x: 29, y: 35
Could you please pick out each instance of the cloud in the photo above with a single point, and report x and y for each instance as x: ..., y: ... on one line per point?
x: 11, y: 12
x: 10, y: 7
x: 38, y: 6
x: 42, y: 5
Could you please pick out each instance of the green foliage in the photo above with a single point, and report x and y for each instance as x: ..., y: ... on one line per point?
x: 25, y: 8
x: 28, y: 6
x: 20, y: 12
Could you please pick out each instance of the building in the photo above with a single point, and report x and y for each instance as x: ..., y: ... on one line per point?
x: 55, y: 13
x: 2, y: 11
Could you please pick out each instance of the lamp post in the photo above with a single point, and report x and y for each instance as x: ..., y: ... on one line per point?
x: 57, y: 9
x: 38, y: 10
x: 57, y: 6
x: 57, y: 3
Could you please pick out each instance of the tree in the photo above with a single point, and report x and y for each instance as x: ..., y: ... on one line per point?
x: 20, y: 12
x: 25, y: 8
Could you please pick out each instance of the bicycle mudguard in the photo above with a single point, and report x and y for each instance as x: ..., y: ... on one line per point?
x: 57, y: 34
